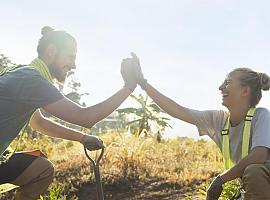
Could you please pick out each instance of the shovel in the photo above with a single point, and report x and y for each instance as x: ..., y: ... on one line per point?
x: 95, y: 164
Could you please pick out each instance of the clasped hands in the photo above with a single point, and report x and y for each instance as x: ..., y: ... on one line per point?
x: 131, y: 73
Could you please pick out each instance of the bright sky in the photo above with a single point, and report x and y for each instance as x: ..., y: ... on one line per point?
x: 186, y: 47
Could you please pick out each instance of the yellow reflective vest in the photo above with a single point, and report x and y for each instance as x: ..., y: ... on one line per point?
x: 245, y: 139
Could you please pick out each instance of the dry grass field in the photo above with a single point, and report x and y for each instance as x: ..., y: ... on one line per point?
x: 132, y: 168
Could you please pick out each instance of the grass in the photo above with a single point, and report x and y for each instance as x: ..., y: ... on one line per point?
x: 181, y: 164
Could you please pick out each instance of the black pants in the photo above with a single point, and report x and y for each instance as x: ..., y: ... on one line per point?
x: 17, y: 163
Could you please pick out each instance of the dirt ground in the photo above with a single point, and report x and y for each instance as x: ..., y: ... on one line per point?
x: 147, y: 191
x: 152, y: 190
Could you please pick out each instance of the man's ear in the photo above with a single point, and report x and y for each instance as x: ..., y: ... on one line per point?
x: 51, y: 51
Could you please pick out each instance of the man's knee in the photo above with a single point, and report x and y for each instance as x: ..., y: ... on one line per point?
x: 35, y: 179
x: 47, y: 169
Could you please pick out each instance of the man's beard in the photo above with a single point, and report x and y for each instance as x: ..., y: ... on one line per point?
x: 58, y: 73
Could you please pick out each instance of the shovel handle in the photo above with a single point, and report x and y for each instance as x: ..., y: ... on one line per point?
x: 95, y: 162
x: 100, y: 195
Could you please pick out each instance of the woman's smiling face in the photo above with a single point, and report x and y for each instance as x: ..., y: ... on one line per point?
x: 231, y: 90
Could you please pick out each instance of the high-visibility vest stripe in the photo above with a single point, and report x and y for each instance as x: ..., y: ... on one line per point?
x: 247, y: 130
x: 245, y: 138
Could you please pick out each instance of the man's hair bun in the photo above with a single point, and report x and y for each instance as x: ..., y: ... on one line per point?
x: 46, y: 29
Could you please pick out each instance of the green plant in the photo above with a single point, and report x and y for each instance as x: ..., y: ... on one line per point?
x: 5, y: 62
x: 144, y: 115
x: 230, y: 190
x: 55, y: 193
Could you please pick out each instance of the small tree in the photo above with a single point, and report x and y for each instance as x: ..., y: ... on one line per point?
x: 74, y: 86
x: 115, y: 122
x: 147, y: 113
x: 5, y: 62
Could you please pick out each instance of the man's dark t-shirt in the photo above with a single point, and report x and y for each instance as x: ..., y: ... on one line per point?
x: 21, y: 93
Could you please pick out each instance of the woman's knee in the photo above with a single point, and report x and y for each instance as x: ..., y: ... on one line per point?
x: 256, y: 182
x: 253, y: 174
x: 253, y: 171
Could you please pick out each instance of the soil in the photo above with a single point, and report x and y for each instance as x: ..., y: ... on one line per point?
x: 151, y: 190
x: 143, y: 191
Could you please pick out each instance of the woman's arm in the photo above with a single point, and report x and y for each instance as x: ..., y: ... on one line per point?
x: 168, y: 105
x: 258, y: 155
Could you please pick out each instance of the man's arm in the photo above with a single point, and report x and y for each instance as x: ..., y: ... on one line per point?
x: 87, y: 116
x: 48, y: 127
x: 258, y: 155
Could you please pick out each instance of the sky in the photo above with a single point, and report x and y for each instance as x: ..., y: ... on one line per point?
x: 186, y: 47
